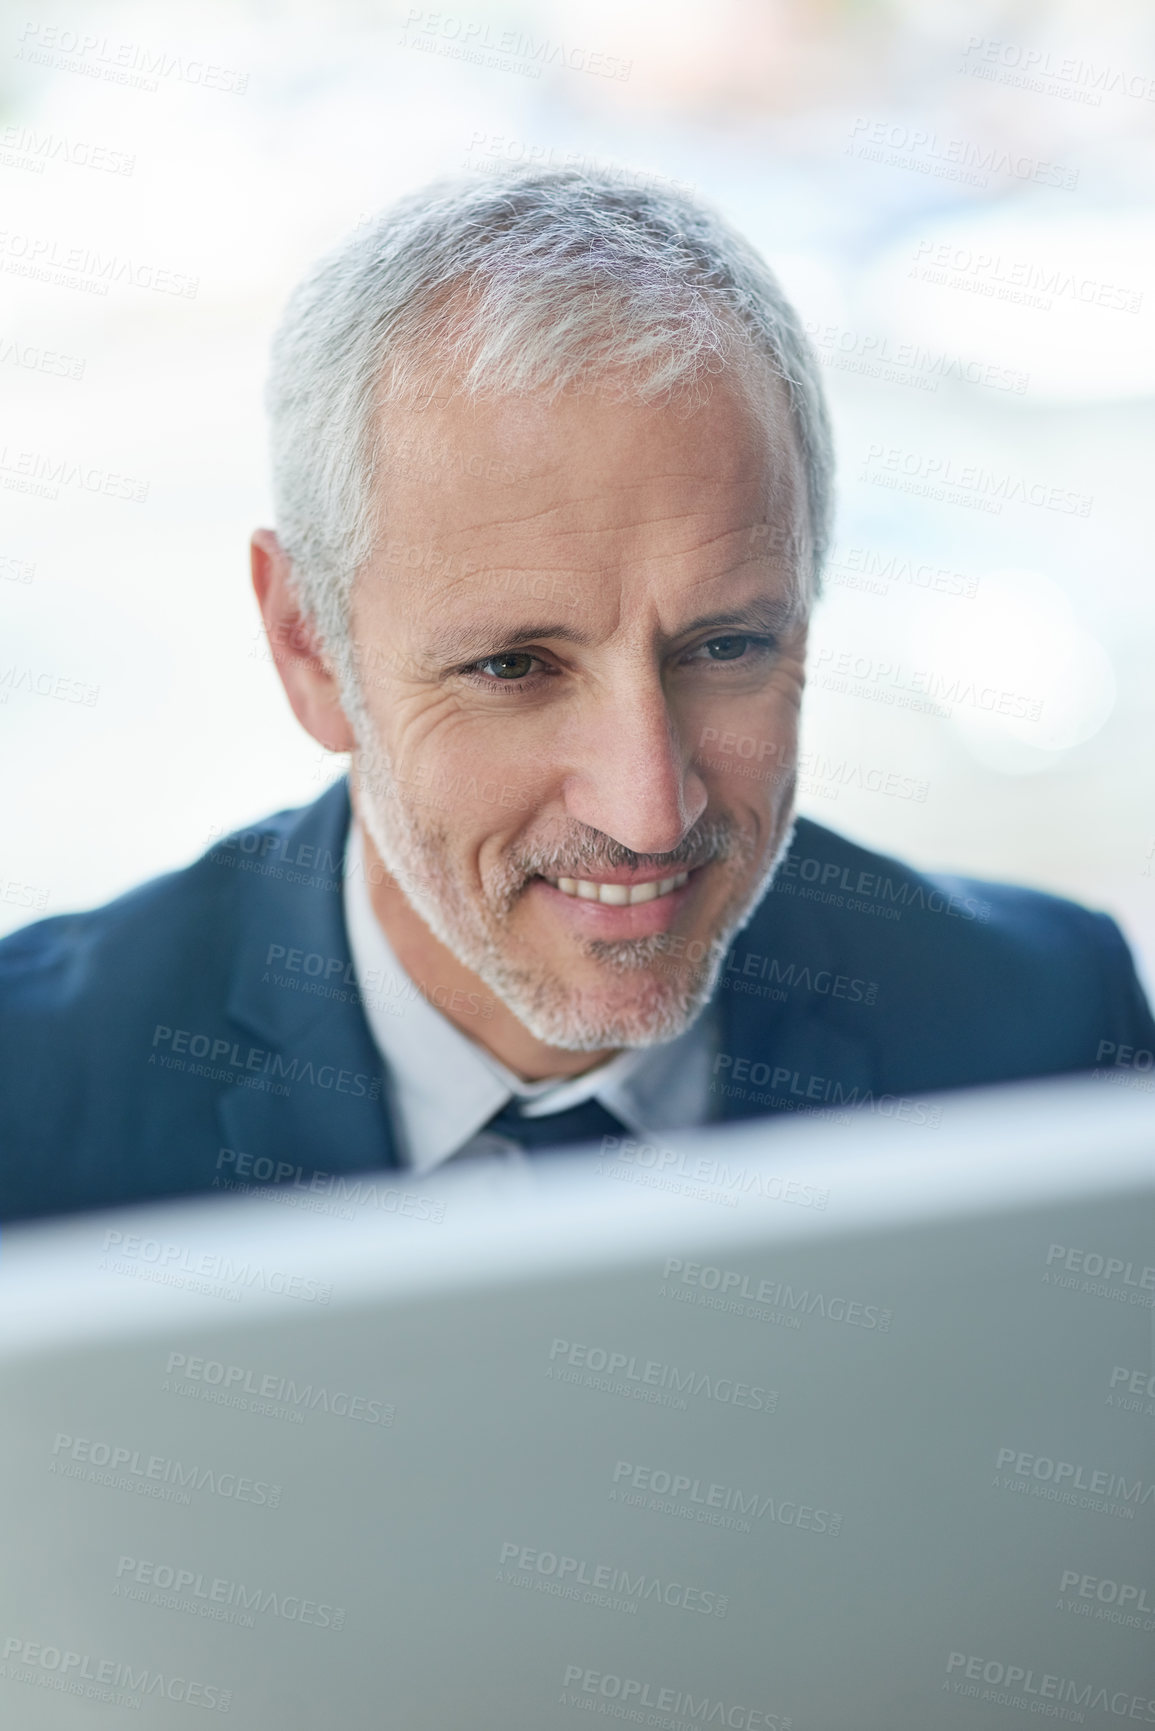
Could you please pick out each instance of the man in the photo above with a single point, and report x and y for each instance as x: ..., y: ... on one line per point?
x: 552, y: 479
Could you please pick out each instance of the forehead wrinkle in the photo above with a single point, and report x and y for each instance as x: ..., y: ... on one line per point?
x: 586, y: 502
x: 777, y: 495
x: 592, y: 531
x: 452, y: 585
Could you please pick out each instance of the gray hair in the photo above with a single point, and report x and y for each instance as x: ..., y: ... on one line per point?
x: 524, y: 282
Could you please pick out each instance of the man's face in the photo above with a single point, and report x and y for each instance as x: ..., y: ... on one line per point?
x: 582, y: 663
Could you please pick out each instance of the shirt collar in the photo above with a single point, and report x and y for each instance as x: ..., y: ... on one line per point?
x: 446, y: 1087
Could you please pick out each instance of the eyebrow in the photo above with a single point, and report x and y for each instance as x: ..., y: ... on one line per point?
x: 465, y: 643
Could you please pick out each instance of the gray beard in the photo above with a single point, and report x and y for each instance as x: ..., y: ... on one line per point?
x: 668, y: 994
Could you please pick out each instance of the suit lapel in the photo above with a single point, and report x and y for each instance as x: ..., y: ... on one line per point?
x: 792, y: 1062
x: 317, y: 1099
x: 776, y: 1057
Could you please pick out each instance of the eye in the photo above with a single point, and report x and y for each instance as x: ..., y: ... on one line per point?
x: 510, y: 666
x: 733, y: 647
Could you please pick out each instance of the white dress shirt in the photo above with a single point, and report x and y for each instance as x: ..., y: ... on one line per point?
x: 444, y: 1087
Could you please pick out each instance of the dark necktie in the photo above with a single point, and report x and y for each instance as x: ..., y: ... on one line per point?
x: 588, y: 1122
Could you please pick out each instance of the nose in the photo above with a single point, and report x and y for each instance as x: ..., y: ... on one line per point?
x: 631, y: 775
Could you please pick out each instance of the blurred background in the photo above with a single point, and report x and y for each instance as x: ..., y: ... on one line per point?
x: 956, y: 195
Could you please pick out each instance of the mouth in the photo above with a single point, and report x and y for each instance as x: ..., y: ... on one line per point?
x: 619, y: 895
x: 611, y: 908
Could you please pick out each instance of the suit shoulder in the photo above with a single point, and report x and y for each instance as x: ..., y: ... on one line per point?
x: 153, y: 932
x: 955, y: 959
x: 894, y: 906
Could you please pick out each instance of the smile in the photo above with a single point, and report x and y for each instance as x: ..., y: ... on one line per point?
x: 618, y: 895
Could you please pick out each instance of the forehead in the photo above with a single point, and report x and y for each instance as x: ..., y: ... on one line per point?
x: 594, y: 460
x: 596, y: 505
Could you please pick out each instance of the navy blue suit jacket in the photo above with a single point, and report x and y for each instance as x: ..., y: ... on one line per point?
x: 159, y: 1046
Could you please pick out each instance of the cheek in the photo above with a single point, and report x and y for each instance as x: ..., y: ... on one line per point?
x: 471, y: 783
x: 751, y: 742
x: 756, y: 795
x: 514, y: 758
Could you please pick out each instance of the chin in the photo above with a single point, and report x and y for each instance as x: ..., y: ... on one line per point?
x: 648, y: 1009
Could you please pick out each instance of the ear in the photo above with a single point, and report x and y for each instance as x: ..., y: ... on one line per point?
x: 305, y: 674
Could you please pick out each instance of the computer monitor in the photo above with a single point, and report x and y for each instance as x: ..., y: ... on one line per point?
x: 844, y: 1426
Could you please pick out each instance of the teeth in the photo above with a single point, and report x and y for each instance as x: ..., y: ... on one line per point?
x: 619, y: 895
